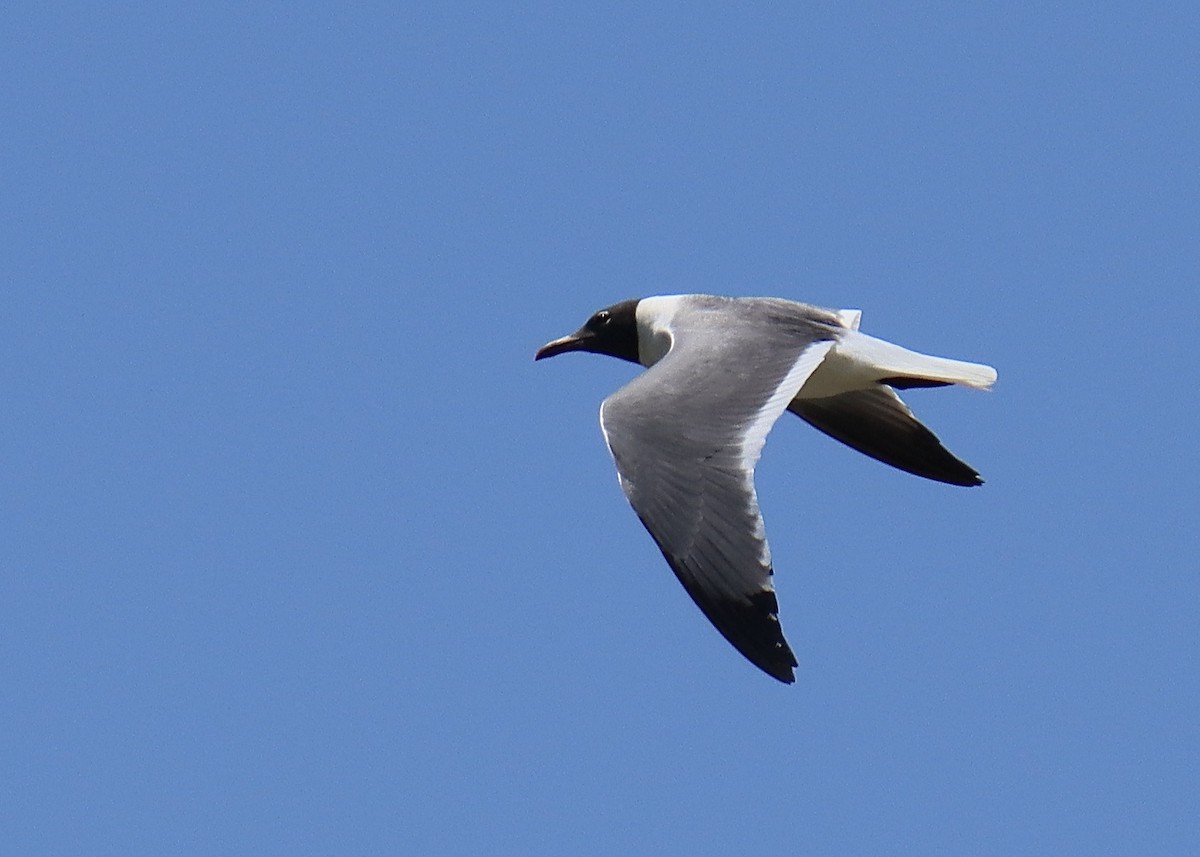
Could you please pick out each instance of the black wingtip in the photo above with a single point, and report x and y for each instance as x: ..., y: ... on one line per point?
x: 752, y: 627
x: 787, y: 676
x: 965, y: 477
x: 748, y: 621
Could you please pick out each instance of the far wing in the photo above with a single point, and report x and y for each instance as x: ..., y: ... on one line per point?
x: 685, y: 436
x: 877, y: 423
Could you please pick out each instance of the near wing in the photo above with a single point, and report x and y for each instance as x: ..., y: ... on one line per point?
x: 685, y: 436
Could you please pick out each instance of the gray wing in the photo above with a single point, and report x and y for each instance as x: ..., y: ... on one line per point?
x: 685, y: 436
x: 877, y: 423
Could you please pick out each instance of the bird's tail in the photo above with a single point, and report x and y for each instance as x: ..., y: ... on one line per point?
x: 902, y: 368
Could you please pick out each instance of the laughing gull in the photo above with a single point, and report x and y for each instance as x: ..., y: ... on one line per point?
x: 686, y: 434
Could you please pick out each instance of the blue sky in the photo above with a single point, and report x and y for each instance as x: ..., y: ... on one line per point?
x: 303, y: 554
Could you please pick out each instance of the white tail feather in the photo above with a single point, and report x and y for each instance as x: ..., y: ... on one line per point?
x: 896, y: 361
x: 858, y: 361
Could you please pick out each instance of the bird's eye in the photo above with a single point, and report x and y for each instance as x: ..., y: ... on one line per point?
x: 603, y: 318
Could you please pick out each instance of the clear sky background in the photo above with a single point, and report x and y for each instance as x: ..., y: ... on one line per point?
x: 301, y: 553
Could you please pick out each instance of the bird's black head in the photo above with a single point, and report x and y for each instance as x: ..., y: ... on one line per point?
x: 612, y: 331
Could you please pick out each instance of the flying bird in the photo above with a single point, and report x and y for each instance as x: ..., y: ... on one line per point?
x: 687, y: 433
